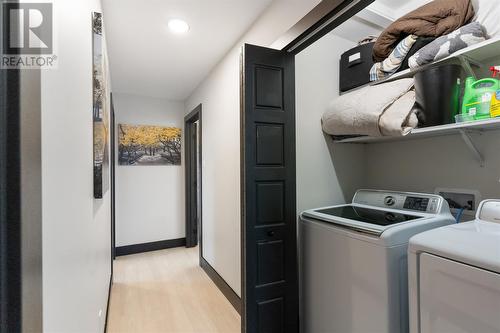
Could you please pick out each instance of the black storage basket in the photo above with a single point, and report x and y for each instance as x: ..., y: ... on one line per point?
x: 355, y: 66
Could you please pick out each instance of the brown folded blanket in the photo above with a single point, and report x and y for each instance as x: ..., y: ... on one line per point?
x: 437, y: 18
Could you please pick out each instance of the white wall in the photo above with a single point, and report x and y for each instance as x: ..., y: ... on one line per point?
x: 220, y: 95
x: 149, y: 199
x: 423, y: 165
x: 327, y: 174
x: 76, y: 228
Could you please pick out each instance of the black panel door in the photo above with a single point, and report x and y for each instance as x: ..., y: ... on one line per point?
x: 269, y: 238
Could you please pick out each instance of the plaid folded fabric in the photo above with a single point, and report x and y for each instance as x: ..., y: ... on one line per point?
x: 444, y: 46
x: 389, y: 66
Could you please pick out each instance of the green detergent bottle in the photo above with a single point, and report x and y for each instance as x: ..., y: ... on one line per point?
x: 477, y: 97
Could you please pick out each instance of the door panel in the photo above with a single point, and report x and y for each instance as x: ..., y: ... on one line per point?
x: 270, y: 143
x: 269, y: 242
x: 269, y: 91
x: 270, y: 257
x: 270, y: 202
x: 271, y: 315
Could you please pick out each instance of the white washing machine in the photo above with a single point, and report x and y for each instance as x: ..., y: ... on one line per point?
x: 454, y: 275
x: 354, y: 260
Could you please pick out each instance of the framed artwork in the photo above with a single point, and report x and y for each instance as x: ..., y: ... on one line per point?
x: 149, y: 145
x: 100, y: 111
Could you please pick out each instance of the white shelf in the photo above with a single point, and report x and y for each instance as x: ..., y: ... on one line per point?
x: 427, y: 132
x: 478, y: 55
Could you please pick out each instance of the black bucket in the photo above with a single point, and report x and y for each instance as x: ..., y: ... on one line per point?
x: 439, y: 94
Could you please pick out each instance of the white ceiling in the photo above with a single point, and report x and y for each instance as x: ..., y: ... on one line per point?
x: 147, y: 59
x: 394, y: 9
x: 375, y: 18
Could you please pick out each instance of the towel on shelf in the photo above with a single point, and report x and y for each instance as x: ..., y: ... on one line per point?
x: 399, y: 119
x: 380, y: 110
x: 421, y: 42
x: 389, y: 66
x: 434, y: 19
x: 444, y: 46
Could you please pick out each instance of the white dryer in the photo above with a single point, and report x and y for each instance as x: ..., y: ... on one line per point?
x: 454, y: 275
x: 354, y: 260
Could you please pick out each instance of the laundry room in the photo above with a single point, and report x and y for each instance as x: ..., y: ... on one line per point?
x: 417, y: 126
x: 442, y: 154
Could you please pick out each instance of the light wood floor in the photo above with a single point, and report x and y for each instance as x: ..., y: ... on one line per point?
x: 167, y: 291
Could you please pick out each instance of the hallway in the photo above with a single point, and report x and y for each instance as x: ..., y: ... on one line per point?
x: 167, y: 291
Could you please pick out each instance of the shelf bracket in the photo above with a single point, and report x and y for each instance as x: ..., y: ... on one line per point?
x: 472, y: 147
x: 466, y: 64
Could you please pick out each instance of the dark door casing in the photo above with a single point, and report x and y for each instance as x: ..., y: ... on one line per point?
x: 269, y: 238
x: 192, y: 153
x: 113, y: 183
x: 10, y: 200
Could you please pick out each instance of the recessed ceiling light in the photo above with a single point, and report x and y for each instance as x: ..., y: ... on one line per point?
x: 178, y: 26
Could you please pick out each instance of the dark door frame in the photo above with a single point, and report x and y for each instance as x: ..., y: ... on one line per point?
x: 192, y: 181
x: 113, y: 180
x: 10, y: 200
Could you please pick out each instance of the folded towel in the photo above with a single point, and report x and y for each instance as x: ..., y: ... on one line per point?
x: 421, y: 42
x: 389, y: 66
x: 399, y: 119
x: 384, y: 109
x: 443, y: 46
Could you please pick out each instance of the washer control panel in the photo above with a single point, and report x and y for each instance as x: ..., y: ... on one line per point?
x: 417, y: 202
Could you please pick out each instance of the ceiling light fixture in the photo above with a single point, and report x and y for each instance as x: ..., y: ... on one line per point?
x: 178, y: 26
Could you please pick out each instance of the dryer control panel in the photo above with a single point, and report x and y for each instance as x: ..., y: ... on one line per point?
x: 489, y: 210
x: 416, y: 202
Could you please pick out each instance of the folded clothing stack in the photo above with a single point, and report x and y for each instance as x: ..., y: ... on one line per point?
x: 435, y: 19
x: 381, y: 70
x: 435, y: 30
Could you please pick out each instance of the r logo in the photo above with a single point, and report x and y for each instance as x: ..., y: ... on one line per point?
x: 27, y: 28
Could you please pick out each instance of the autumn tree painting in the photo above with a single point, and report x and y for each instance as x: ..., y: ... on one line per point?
x: 149, y: 145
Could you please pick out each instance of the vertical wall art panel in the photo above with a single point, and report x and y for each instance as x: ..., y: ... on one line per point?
x: 149, y: 145
x: 100, y: 111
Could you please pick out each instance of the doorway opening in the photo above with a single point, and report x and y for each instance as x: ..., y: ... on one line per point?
x: 193, y: 153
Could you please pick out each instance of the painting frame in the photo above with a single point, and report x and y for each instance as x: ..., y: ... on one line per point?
x: 149, y: 145
x: 100, y: 110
